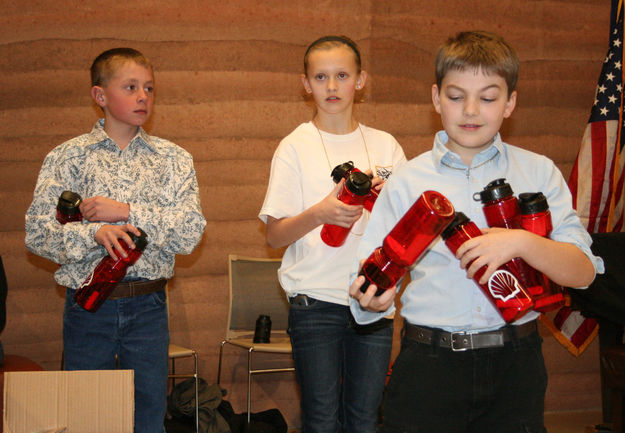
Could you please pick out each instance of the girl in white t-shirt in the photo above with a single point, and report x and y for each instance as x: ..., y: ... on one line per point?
x: 340, y: 366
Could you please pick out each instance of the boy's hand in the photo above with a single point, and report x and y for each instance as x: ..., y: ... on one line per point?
x: 334, y: 211
x: 108, y: 236
x: 368, y: 299
x: 102, y: 209
x: 494, y: 248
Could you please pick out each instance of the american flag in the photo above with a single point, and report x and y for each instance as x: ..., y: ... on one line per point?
x: 596, y: 180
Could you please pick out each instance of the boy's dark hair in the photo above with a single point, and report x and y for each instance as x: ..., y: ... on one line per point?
x: 332, y: 41
x: 478, y: 50
x: 105, y: 65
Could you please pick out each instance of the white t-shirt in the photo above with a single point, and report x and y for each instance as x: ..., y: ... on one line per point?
x: 300, y: 178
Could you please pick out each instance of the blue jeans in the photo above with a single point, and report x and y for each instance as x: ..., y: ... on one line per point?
x: 340, y: 367
x: 127, y: 333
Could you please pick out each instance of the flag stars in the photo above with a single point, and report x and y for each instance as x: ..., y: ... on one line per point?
x: 617, y: 43
x: 601, y: 89
x: 609, y: 76
x: 617, y: 65
x: 604, y: 111
x: 619, y: 88
x: 612, y: 99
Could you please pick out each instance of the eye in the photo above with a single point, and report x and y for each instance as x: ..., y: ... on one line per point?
x: 131, y: 87
x: 149, y: 89
x: 454, y: 98
x: 342, y: 75
x: 488, y: 100
x: 320, y: 77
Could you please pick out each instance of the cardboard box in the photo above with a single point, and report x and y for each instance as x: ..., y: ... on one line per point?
x: 98, y: 401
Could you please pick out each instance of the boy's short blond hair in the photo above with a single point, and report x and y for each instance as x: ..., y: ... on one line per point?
x: 105, y: 65
x: 478, y: 50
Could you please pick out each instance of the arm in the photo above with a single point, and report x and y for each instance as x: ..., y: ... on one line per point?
x: 45, y: 236
x: 284, y: 231
x: 562, y: 262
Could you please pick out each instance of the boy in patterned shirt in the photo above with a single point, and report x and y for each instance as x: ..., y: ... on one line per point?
x: 128, y: 179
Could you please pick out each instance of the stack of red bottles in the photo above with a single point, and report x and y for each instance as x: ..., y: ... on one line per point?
x: 501, y: 209
x: 355, y: 190
x: 67, y: 210
x: 341, y: 171
x: 503, y: 289
x: 536, y: 218
x: 411, y: 236
x: 108, y: 273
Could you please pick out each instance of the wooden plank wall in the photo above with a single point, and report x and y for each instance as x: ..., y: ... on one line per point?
x: 228, y: 89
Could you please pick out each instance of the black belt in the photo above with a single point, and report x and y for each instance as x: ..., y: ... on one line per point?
x: 467, y: 340
x: 128, y: 289
x: 301, y: 300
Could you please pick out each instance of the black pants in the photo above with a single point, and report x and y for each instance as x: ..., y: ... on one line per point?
x: 494, y: 390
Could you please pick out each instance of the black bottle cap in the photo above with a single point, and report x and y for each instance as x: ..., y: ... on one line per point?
x: 358, y: 183
x: 341, y: 170
x: 495, y: 190
x: 68, y: 203
x: 532, y: 202
x: 140, y: 241
x: 459, y: 220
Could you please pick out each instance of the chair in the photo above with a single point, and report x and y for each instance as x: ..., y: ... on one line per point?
x: 176, y: 352
x: 254, y: 290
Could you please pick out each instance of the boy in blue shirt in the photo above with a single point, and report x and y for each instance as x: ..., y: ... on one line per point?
x: 497, y: 382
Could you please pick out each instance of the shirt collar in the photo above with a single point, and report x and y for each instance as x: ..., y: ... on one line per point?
x: 442, y: 156
x: 101, y: 138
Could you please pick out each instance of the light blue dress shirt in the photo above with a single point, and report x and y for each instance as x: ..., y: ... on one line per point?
x: 439, y: 294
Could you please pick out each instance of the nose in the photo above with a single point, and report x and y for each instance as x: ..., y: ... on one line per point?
x: 332, y: 84
x: 471, y: 107
x: 142, y: 95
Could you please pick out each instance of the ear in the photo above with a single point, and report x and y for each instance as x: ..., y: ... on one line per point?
x: 436, y: 98
x: 362, y: 79
x: 306, y: 83
x: 97, y: 93
x: 510, y: 104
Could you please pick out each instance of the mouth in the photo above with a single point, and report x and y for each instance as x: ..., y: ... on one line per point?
x: 141, y: 111
x: 470, y: 126
x: 333, y: 99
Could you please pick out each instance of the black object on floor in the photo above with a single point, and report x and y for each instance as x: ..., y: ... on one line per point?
x: 175, y: 425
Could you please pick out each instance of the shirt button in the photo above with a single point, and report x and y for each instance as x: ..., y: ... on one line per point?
x: 479, y: 309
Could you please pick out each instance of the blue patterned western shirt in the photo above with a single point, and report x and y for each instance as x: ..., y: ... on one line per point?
x: 154, y: 176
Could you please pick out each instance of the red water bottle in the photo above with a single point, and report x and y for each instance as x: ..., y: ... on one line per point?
x: 67, y: 210
x: 342, y: 171
x: 500, y: 206
x: 355, y: 189
x: 501, y: 209
x: 108, y: 273
x: 536, y: 218
x: 411, y: 236
x: 504, y: 289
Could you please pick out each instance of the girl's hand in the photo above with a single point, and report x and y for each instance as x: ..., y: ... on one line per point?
x: 102, y: 209
x: 331, y: 210
x: 109, y: 235
x: 368, y: 300
x: 376, y: 181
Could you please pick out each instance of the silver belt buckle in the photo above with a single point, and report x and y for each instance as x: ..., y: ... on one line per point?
x: 467, y: 341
